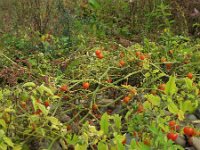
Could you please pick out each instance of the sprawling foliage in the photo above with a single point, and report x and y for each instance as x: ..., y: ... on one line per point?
x: 98, y: 74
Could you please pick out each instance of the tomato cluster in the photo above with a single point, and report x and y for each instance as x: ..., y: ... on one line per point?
x: 99, y: 54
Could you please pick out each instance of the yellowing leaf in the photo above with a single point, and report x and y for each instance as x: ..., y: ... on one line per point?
x: 54, y: 120
x: 171, y: 86
x: 43, y: 109
x: 181, y: 115
x: 102, y: 146
x: 187, y: 106
x: 147, y: 105
x: 189, y: 83
x: 17, y: 147
x: 172, y: 108
x: 3, y: 123
x: 29, y: 84
x: 8, y: 141
x: 154, y: 100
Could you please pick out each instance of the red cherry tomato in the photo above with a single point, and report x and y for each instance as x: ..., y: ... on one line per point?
x: 172, y: 136
x: 64, y: 88
x: 162, y: 87
x: 190, y: 75
x: 138, y: 53
x: 94, y: 107
x: 100, y: 56
x: 97, y: 52
x: 172, y: 123
x: 140, y: 108
x: 189, y: 131
x: 46, y: 103
x: 142, y: 57
x: 124, y: 141
x: 121, y: 63
x: 126, y: 99
x: 86, y: 85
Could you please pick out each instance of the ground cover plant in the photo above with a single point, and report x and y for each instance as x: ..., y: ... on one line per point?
x: 92, y: 81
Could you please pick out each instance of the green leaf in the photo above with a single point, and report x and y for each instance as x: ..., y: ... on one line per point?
x: 17, y: 147
x: 3, y: 123
x: 172, y: 108
x: 189, y: 83
x: 117, y: 120
x: 43, y: 109
x: 81, y: 147
x: 29, y: 84
x: 104, y: 123
x: 187, y: 106
x: 155, y: 71
x: 147, y: 75
x: 3, y: 146
x: 8, y: 141
x: 147, y: 105
x: 102, y: 146
x: 94, y: 4
x: 128, y: 114
x: 171, y: 86
x: 181, y: 116
x: 34, y: 103
x: 154, y: 100
x: 43, y: 89
x: 161, y: 75
x: 54, y: 120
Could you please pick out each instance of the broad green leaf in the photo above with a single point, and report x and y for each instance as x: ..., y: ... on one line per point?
x: 84, y: 141
x: 3, y: 146
x: 154, y: 100
x: 120, y: 146
x: 147, y: 75
x: 188, y: 83
x: 41, y: 131
x: 155, y: 71
x: 117, y: 120
x: 17, y: 147
x: 3, y: 123
x: 172, y: 108
x: 104, y: 123
x: 118, y: 141
x: 8, y: 141
x: 55, y: 97
x: 161, y: 75
x: 54, y: 120
x: 42, y: 108
x: 29, y: 84
x: 147, y: 105
x: 43, y: 89
x: 9, y: 110
x: 171, y: 86
x: 102, y: 146
x: 81, y: 147
x: 187, y: 106
x: 24, y: 96
x: 133, y: 144
x: 128, y: 114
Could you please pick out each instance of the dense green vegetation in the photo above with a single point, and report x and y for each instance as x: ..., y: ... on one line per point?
x: 99, y: 74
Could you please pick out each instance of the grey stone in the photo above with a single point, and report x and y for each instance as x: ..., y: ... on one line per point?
x: 191, y: 117
x: 197, y: 113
